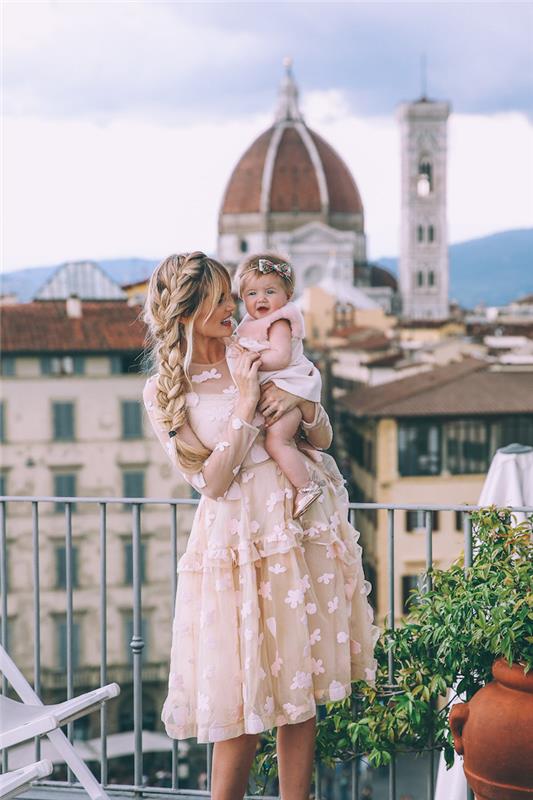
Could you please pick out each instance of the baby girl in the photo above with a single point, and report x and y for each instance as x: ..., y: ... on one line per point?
x: 274, y: 327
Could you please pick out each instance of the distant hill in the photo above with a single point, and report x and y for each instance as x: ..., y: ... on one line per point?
x: 493, y: 270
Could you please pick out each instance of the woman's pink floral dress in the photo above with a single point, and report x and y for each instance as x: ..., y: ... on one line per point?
x: 272, y: 616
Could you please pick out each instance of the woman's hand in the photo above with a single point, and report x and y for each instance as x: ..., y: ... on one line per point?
x: 275, y: 402
x: 246, y: 380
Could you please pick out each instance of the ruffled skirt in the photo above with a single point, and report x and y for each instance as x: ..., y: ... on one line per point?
x: 271, y: 615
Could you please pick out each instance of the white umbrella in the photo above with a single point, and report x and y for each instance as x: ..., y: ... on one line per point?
x: 509, y: 482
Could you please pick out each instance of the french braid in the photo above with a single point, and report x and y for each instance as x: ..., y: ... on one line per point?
x: 177, y: 288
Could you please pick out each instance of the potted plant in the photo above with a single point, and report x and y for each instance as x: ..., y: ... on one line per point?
x: 463, y: 623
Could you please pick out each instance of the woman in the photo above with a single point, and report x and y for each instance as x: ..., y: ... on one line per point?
x: 271, y: 615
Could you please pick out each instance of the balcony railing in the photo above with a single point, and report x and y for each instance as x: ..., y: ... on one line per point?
x: 136, y: 672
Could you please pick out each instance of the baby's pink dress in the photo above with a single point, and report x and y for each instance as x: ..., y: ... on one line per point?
x: 300, y: 377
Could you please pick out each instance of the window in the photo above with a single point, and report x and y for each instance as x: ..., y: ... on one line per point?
x: 3, y: 483
x: 125, y: 364
x: 431, y: 233
x: 419, y: 278
x: 431, y: 278
x: 416, y: 520
x: 2, y: 422
x: 515, y: 429
x: 424, y: 183
x: 61, y: 567
x: 63, y: 421
x: 420, y: 233
x: 458, y: 520
x: 64, y: 486
x: 243, y: 246
x: 61, y: 642
x: 419, y: 448
x: 7, y: 366
x: 62, y: 365
x: 409, y: 584
x: 467, y: 446
x: 132, y: 427
x: 128, y: 636
x: 132, y: 485
x: 128, y: 563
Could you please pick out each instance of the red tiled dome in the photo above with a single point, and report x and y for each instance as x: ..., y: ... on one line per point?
x: 299, y: 159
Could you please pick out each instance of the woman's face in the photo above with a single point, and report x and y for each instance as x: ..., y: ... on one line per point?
x: 219, y: 323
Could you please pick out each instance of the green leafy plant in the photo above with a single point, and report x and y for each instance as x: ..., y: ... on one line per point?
x: 460, y: 621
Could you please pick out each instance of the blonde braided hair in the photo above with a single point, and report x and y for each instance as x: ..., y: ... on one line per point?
x: 177, y: 288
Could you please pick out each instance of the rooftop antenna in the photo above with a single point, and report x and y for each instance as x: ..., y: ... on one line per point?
x: 423, y: 76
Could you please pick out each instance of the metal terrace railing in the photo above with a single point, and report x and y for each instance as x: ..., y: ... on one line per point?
x: 349, y: 788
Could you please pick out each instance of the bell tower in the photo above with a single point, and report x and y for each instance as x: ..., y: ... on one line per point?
x: 423, y: 236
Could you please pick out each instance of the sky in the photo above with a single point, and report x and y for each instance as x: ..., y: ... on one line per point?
x: 122, y: 121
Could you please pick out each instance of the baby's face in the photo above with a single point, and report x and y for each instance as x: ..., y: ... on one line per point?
x: 264, y: 294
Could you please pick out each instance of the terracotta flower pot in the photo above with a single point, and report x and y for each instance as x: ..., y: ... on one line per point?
x: 494, y: 732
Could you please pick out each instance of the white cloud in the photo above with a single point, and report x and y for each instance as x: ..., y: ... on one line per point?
x: 75, y: 189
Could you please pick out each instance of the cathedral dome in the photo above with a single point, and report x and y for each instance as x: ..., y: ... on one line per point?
x: 290, y: 175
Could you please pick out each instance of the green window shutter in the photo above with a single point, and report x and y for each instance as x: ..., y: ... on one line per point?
x: 134, y: 484
x: 3, y: 484
x: 2, y: 422
x: 79, y: 365
x: 61, y: 567
x: 131, y: 419
x: 46, y: 365
x: 128, y: 563
x: 64, y: 486
x: 61, y: 632
x: 63, y: 418
x: 7, y: 364
x: 116, y: 365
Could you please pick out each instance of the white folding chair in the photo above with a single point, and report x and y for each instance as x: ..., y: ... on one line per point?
x: 24, y: 720
x: 16, y: 782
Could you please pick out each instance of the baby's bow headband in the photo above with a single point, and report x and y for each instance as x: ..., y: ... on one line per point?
x: 265, y: 266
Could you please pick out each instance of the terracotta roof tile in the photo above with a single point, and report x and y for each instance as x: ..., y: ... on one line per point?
x: 344, y: 195
x: 243, y: 192
x: 45, y: 327
x: 467, y: 388
x: 294, y: 182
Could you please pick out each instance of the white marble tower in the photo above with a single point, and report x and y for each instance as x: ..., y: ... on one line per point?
x: 423, y: 238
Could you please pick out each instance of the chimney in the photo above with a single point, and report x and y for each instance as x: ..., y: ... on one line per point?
x: 73, y: 307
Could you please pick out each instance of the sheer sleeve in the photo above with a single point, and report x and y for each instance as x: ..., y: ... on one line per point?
x: 319, y: 432
x: 221, y: 467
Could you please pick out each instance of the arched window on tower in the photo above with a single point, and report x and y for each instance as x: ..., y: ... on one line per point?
x: 424, y: 183
x: 431, y: 278
x: 431, y: 233
x: 243, y: 244
x: 420, y: 278
x: 420, y: 233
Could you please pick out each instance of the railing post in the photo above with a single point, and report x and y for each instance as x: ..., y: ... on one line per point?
x: 103, y: 639
x: 3, y: 620
x: 174, y: 585
x: 390, y: 532
x: 428, y: 587
x: 70, y: 615
x: 36, y: 613
x: 137, y: 645
x: 468, y: 559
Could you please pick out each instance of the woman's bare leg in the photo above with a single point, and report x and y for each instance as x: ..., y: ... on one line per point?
x: 232, y: 760
x: 296, y: 751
